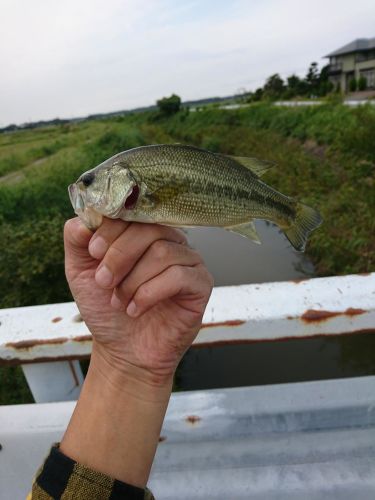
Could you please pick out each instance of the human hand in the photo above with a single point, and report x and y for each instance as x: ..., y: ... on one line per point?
x: 141, y: 291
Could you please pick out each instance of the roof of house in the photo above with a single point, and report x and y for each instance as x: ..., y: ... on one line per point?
x: 355, y: 46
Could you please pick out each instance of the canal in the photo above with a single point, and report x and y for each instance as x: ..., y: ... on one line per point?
x: 234, y: 260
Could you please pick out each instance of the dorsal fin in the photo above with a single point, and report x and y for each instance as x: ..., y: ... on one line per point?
x: 258, y: 167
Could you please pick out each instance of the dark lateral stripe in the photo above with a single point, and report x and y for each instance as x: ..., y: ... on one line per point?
x: 244, y: 194
x: 55, y: 474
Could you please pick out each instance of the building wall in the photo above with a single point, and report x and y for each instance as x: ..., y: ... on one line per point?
x: 348, y: 63
x: 352, y: 69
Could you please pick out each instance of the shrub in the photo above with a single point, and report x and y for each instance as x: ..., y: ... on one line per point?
x: 353, y: 85
x: 362, y: 83
x: 169, y: 105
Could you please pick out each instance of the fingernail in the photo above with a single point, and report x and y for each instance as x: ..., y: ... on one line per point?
x: 131, y: 309
x: 104, y: 277
x: 98, y: 247
x: 116, y: 303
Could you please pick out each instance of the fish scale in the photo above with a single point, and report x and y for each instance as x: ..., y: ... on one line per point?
x: 182, y: 185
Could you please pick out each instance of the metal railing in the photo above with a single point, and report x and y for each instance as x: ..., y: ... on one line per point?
x: 48, y: 340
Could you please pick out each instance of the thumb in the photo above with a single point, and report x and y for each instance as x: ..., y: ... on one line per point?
x: 76, y: 242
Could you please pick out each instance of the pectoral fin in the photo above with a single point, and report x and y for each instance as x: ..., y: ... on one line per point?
x: 248, y: 230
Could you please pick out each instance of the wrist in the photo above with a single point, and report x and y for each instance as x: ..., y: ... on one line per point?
x: 116, y: 424
x: 126, y: 378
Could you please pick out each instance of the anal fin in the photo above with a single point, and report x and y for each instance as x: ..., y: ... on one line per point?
x: 248, y: 230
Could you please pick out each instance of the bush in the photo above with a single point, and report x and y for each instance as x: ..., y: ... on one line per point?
x: 32, y: 263
x: 362, y: 83
x: 169, y: 105
x: 353, y: 85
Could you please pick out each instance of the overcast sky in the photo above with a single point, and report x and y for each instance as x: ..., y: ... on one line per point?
x: 76, y: 57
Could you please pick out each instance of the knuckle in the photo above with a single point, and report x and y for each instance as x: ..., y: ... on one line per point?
x: 161, y: 249
x: 178, y: 273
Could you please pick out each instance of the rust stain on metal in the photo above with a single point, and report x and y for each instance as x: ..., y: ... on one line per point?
x: 75, y: 376
x: 318, y: 315
x: 162, y: 438
x: 314, y: 315
x: 354, y: 311
x: 57, y: 319
x: 231, y: 322
x: 29, y: 344
x: 82, y: 338
x: 192, y: 419
x: 77, y: 318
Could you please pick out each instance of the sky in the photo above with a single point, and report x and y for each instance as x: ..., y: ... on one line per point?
x: 79, y: 57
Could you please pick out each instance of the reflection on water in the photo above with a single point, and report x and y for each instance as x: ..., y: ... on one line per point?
x: 235, y: 260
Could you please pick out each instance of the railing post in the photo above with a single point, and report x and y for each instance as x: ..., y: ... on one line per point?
x: 56, y: 381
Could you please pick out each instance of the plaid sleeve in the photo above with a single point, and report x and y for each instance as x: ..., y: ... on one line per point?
x: 60, y: 477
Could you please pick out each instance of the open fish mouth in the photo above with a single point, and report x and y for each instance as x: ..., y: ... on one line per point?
x: 88, y: 215
x: 76, y: 198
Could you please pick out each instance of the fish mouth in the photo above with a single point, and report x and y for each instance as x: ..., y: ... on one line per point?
x: 88, y: 215
x: 76, y: 198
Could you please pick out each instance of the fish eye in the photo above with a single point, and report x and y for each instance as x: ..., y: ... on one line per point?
x: 87, y: 179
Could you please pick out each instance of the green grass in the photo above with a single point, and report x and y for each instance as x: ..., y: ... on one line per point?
x: 325, y: 157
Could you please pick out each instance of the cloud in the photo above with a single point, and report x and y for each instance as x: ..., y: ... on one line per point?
x: 78, y: 57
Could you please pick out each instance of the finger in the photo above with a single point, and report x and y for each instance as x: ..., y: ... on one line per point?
x: 191, y: 286
x: 105, y: 235
x: 158, y: 257
x: 76, y: 241
x: 129, y: 247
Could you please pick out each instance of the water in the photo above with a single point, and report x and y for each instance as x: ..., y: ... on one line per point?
x: 234, y: 260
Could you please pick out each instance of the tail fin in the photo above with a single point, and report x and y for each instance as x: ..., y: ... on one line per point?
x: 307, y: 219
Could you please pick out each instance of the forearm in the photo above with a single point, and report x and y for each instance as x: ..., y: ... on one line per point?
x: 116, y: 425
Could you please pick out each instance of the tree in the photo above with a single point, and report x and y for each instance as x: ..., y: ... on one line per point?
x: 312, y: 78
x: 169, y: 105
x: 274, y: 86
x: 325, y: 84
x: 258, y: 94
x: 295, y: 86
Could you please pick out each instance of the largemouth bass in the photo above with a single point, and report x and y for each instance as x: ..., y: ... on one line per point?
x: 180, y: 185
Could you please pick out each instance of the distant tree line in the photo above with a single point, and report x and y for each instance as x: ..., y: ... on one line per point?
x: 314, y: 84
x: 31, y: 125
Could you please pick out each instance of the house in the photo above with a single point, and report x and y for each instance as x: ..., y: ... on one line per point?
x: 353, y: 61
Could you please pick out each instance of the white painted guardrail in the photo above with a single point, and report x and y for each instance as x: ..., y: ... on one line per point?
x: 338, y: 305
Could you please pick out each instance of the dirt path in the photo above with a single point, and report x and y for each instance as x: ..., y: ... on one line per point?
x: 19, y: 175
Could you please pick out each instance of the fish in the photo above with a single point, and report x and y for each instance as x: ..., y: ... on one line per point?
x: 184, y: 186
